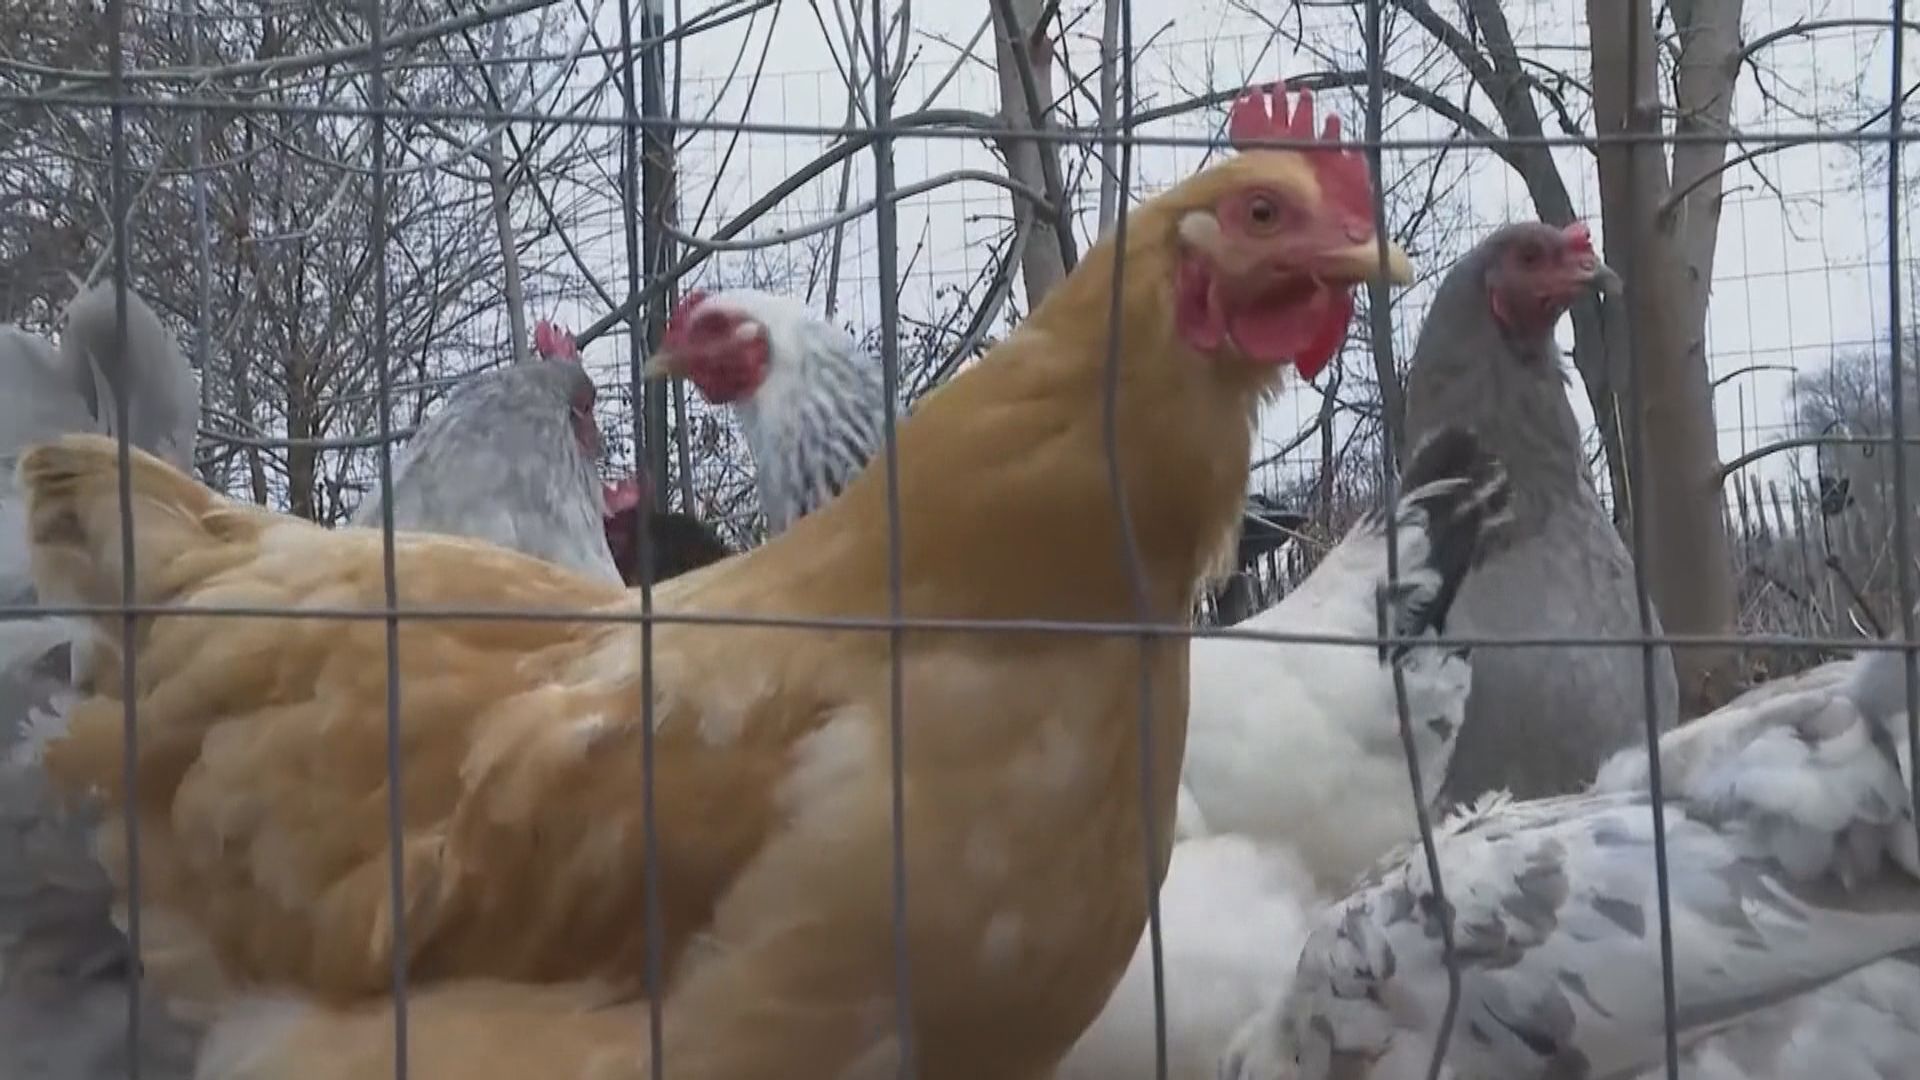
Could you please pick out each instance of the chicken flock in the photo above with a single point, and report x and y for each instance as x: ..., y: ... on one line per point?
x: 628, y: 851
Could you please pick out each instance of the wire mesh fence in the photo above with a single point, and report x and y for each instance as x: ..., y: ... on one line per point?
x: 353, y: 211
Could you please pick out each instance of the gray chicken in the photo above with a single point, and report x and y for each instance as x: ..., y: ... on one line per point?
x: 65, y: 969
x: 509, y: 459
x: 1541, y: 719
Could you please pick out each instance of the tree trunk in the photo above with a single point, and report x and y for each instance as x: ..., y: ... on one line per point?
x: 1676, y: 494
x: 1502, y: 76
x: 1018, y: 39
x: 501, y: 192
x: 1703, y: 100
x: 658, y: 183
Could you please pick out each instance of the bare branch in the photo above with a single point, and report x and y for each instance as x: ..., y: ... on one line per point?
x: 907, y: 191
x: 963, y: 119
x: 1803, y: 442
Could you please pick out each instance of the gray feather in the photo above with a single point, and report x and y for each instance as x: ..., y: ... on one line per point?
x: 163, y: 400
x: 500, y: 462
x: 1540, y: 720
x: 64, y: 966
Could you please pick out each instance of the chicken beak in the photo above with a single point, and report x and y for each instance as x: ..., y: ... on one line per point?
x: 663, y: 364
x: 1601, y: 276
x: 1361, y: 262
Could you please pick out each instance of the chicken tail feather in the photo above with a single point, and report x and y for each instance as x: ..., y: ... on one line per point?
x: 144, y: 366
x: 73, y: 520
x: 1453, y: 494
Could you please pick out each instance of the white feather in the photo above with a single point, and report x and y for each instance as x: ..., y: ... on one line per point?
x: 1234, y: 912
x: 1294, y: 774
x: 1792, y: 862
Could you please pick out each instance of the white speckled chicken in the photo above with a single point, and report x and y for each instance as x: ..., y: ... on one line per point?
x: 1791, y: 847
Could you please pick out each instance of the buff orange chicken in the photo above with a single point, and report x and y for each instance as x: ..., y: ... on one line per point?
x: 262, y: 775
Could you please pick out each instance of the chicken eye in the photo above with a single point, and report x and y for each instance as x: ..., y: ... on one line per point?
x: 1262, y: 212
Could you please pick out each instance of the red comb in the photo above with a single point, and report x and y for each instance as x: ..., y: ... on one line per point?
x: 554, y: 342
x: 676, y: 331
x: 1579, y: 237
x: 1261, y: 113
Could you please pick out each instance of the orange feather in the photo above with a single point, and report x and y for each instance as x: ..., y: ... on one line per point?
x: 263, y: 761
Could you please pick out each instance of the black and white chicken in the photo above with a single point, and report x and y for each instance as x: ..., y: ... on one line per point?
x: 810, y: 402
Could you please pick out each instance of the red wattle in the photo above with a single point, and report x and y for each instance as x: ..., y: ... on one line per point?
x: 1332, y: 333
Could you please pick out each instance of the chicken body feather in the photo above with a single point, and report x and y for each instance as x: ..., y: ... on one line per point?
x: 1791, y: 848
x: 1284, y: 736
x: 263, y: 757
x: 1270, y: 759
x: 500, y: 462
x: 1542, y: 718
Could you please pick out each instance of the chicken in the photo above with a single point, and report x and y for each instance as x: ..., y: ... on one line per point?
x: 54, y: 391
x: 677, y: 542
x: 1863, y: 1026
x: 1542, y: 718
x: 810, y: 402
x: 1791, y: 849
x: 1236, y: 746
x: 1337, y: 745
x: 262, y: 760
x: 510, y: 459
x: 64, y: 967
x: 163, y: 414
x: 1284, y: 739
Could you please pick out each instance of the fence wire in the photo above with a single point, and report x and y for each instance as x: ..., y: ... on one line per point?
x: 653, y: 284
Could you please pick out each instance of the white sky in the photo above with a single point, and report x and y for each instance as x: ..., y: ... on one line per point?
x: 1801, y: 273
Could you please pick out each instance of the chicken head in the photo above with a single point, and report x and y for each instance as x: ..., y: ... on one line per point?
x: 676, y: 542
x: 556, y: 343
x: 1537, y: 271
x: 622, y: 521
x: 1269, y: 261
x: 723, y: 350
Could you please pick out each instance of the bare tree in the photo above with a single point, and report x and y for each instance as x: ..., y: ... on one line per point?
x: 1846, y: 410
x: 1024, y: 50
x: 251, y: 237
x: 1655, y: 73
